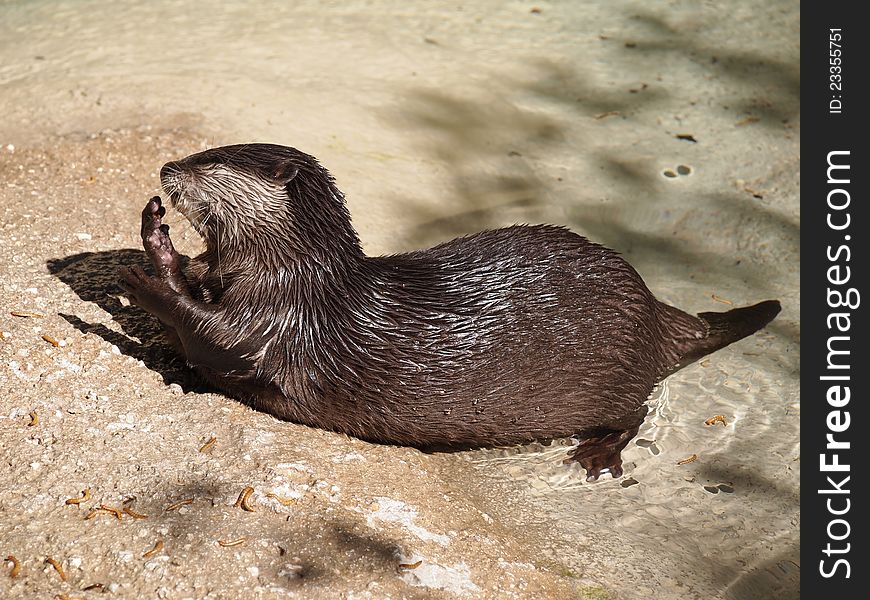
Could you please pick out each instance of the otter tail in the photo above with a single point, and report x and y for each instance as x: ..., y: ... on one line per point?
x: 728, y: 327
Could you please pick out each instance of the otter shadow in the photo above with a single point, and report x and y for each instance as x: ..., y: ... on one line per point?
x: 92, y: 276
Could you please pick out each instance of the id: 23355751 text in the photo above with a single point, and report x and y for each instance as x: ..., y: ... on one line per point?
x: 835, y: 70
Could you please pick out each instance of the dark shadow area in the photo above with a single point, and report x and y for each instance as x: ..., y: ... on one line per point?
x: 753, y: 221
x: 566, y: 86
x: 790, y: 363
x: 210, y: 518
x: 743, y: 480
x: 474, y: 220
x: 773, y: 85
x: 484, y: 146
x: 775, y: 577
x: 367, y: 545
x: 484, y: 142
x: 200, y: 524
x: 362, y: 552
x: 637, y: 176
x: 92, y: 276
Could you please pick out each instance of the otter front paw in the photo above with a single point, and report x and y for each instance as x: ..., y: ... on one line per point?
x: 150, y: 293
x: 155, y: 238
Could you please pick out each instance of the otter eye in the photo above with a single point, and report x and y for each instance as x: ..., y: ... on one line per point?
x: 284, y: 172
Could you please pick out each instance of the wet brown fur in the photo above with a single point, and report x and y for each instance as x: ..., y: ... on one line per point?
x: 500, y: 337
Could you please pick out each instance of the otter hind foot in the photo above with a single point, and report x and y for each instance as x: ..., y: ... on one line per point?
x: 602, y: 453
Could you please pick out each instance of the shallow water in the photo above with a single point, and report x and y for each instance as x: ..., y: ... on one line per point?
x: 718, y: 525
x: 439, y: 120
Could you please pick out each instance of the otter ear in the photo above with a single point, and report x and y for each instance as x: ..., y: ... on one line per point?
x: 284, y: 172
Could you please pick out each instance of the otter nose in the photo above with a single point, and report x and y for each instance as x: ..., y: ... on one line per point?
x: 169, y: 169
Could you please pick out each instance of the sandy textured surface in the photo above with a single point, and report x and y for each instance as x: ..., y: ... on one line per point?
x: 668, y: 131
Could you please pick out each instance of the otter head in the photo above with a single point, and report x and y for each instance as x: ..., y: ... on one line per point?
x: 261, y: 198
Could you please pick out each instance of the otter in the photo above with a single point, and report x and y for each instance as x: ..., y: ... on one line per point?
x: 530, y: 332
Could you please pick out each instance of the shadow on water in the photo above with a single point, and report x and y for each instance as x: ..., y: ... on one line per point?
x: 481, y: 145
x: 486, y: 145
x: 92, y: 276
x: 568, y: 87
x: 673, y: 248
x: 742, y: 479
x: 486, y: 139
x: 779, y: 575
x: 773, y: 84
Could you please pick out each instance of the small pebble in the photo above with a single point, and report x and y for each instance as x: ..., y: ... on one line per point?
x: 291, y: 571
